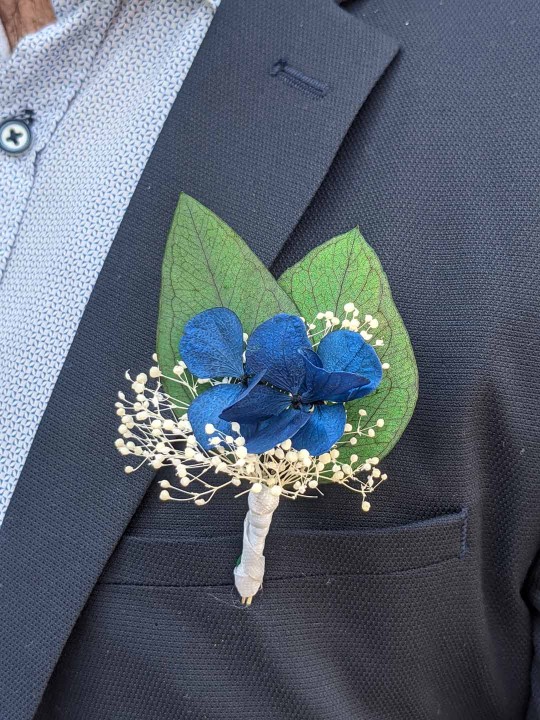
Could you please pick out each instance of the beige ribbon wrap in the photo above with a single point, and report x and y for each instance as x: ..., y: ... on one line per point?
x: 249, y: 573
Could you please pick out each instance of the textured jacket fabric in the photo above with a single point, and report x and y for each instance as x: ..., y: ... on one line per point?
x: 427, y: 606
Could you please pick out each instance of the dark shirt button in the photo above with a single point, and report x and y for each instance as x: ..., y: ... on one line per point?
x: 15, y: 136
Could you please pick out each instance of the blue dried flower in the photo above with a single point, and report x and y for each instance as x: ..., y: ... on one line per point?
x: 286, y: 389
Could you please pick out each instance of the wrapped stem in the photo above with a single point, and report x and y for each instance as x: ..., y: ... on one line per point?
x: 249, y: 573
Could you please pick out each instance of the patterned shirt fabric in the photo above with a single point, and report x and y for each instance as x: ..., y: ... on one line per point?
x: 99, y: 83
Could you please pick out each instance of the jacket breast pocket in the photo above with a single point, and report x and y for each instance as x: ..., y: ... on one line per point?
x: 344, y: 618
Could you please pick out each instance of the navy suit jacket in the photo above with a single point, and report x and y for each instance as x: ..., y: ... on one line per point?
x: 419, y: 122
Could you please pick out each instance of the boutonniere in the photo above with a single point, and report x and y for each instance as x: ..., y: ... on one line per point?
x: 276, y: 387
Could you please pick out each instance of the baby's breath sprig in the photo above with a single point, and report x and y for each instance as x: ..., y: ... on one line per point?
x: 151, y: 431
x: 155, y: 430
x: 327, y: 321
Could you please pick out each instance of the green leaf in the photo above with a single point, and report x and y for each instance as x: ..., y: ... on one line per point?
x: 207, y: 265
x: 347, y: 270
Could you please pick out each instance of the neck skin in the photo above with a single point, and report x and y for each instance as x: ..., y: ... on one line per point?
x: 22, y: 17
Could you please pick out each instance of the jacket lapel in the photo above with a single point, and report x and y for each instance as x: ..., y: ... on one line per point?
x: 252, y: 133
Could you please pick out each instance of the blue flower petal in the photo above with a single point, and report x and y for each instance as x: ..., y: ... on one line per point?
x: 273, y: 347
x: 312, y: 356
x: 257, y: 403
x: 269, y: 433
x: 212, y: 344
x: 347, y: 351
x: 206, y: 408
x: 319, y: 384
x: 324, y: 428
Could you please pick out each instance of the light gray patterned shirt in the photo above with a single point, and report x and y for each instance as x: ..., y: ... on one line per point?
x: 100, y: 83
